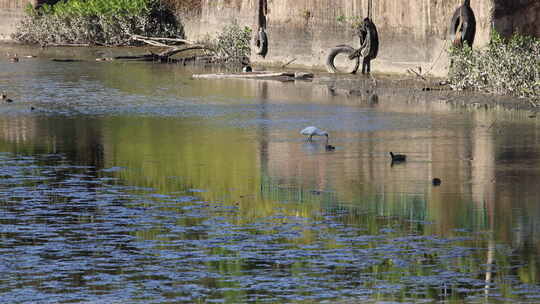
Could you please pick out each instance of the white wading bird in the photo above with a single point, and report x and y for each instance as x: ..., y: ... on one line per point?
x: 314, y: 131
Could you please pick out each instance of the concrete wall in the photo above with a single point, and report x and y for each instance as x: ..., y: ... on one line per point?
x: 11, y: 11
x: 413, y: 33
x: 521, y: 16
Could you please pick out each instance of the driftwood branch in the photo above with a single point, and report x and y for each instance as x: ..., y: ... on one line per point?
x: 145, y: 39
x: 164, y: 55
x: 68, y: 44
x: 148, y: 41
x: 171, y: 49
x: 176, y: 50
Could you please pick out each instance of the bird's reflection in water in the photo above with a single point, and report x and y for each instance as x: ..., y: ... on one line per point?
x: 313, y: 147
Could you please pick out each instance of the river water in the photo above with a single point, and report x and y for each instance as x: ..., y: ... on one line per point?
x: 126, y: 182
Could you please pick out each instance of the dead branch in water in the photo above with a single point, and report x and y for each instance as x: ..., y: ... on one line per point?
x: 68, y: 44
x: 175, y: 50
x: 163, y: 56
x: 173, y: 46
x: 154, y: 39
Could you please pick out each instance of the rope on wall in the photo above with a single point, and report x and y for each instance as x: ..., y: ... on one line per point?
x: 263, y: 10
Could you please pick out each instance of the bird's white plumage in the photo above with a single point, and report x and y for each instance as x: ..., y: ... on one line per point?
x: 313, y: 131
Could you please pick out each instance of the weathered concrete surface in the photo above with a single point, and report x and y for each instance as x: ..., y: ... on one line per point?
x: 521, y: 16
x: 412, y: 33
x: 11, y: 11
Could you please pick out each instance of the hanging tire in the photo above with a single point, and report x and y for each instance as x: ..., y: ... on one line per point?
x: 374, y: 50
x: 463, y: 15
x: 261, y: 43
x: 341, y: 49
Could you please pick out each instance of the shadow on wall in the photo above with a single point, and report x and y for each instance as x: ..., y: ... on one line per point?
x: 517, y: 16
x: 185, y: 7
x: 50, y: 2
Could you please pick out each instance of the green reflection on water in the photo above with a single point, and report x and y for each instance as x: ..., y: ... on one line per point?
x: 267, y: 175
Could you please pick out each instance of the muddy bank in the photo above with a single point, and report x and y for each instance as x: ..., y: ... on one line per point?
x: 434, y: 89
x: 369, y: 88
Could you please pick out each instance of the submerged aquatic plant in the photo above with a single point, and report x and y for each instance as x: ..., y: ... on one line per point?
x: 506, y: 66
x: 97, y: 22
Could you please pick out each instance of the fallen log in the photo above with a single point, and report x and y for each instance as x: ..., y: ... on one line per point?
x: 162, y: 56
x: 67, y: 44
x: 257, y: 75
x: 244, y: 75
x: 137, y: 57
x: 171, y: 50
x: 66, y: 60
x: 175, y: 50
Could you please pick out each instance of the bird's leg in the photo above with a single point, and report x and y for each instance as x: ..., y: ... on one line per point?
x: 310, y: 137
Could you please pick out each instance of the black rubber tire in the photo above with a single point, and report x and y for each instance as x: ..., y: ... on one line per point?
x: 340, y: 49
x: 374, y: 42
x: 469, y: 26
x: 261, y: 44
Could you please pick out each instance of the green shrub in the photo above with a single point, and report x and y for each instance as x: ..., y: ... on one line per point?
x: 98, y: 22
x: 509, y: 67
x: 231, y: 44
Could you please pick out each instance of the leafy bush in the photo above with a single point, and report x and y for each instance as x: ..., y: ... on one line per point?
x: 506, y: 67
x: 100, y: 22
x: 74, y: 8
x: 232, y: 43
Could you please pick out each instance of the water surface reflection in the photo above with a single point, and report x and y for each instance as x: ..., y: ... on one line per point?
x: 133, y: 182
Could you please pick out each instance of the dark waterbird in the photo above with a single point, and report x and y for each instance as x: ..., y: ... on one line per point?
x: 4, y: 98
x: 14, y: 58
x: 398, y: 157
x: 436, y: 181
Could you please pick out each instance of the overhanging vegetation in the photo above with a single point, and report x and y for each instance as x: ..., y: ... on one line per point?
x: 506, y: 66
